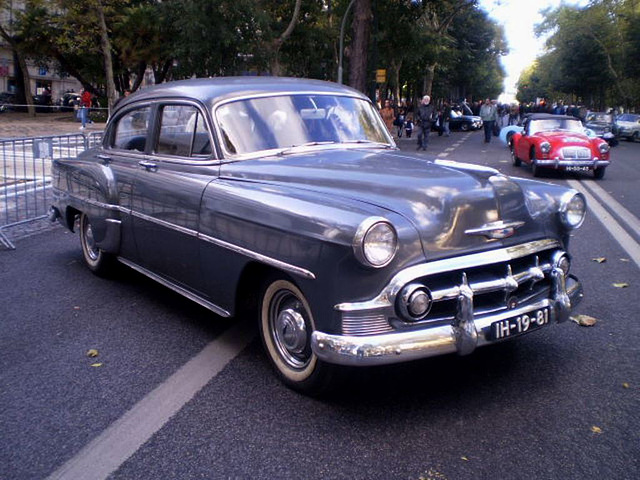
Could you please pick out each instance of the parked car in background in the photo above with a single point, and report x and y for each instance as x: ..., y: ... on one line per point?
x: 7, y: 100
x: 602, y: 125
x: 628, y: 126
x: 287, y: 199
x: 459, y: 121
x: 68, y: 101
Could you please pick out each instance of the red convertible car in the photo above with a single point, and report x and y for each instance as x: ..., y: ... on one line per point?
x: 560, y: 143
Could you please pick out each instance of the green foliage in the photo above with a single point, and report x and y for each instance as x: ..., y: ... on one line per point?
x: 591, y: 56
x: 185, y: 38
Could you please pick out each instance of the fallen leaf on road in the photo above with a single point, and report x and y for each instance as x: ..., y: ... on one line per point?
x: 625, y: 260
x: 92, y: 353
x: 595, y: 429
x: 464, y: 458
x: 583, y: 320
x: 96, y: 364
x: 599, y: 259
x: 621, y: 285
x: 625, y: 385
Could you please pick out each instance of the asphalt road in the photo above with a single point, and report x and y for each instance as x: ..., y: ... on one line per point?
x: 560, y: 403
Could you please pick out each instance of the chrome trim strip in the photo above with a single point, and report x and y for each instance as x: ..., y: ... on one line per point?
x: 176, y: 288
x: 496, y: 230
x: 258, y: 256
x: 389, y: 292
x: 429, y: 342
x: 172, y: 226
x: 221, y: 243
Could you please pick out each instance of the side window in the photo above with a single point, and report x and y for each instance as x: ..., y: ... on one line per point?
x: 183, y: 132
x: 131, y: 130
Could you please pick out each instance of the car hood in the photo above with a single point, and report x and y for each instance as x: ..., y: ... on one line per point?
x: 443, y: 200
x: 565, y: 139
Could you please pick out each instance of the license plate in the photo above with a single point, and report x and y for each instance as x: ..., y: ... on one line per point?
x: 511, y: 327
x: 577, y: 169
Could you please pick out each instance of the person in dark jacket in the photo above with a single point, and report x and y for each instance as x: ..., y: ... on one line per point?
x: 425, y: 118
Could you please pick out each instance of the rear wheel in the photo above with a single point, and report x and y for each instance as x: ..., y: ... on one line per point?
x: 464, y: 127
x: 636, y: 137
x: 286, y: 325
x: 98, y: 261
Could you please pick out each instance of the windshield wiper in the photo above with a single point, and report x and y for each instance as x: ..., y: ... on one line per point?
x: 369, y: 142
x: 289, y: 149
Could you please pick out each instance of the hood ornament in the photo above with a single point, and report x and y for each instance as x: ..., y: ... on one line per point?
x: 496, y: 230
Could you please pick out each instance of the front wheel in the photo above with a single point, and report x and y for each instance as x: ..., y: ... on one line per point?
x: 598, y: 173
x: 514, y: 156
x: 286, y: 325
x: 535, y: 169
x: 464, y: 127
x: 98, y: 261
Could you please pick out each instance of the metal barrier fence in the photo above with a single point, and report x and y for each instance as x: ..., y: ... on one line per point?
x: 25, y: 175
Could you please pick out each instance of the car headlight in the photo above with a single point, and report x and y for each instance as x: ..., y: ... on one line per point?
x: 545, y: 147
x: 604, y: 147
x: 573, y: 208
x: 376, y: 242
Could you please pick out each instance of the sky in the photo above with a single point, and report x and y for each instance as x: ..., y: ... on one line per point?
x: 518, y: 17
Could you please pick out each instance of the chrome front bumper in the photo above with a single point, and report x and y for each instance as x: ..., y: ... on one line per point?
x: 463, y: 336
x: 560, y: 163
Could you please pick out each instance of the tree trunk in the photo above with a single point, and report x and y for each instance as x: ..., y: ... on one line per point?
x: 360, y: 47
x: 22, y: 65
x: 427, y: 83
x: 105, y: 45
x: 276, y: 68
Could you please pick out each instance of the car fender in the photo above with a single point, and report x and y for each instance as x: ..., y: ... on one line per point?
x: 84, y: 185
x: 304, y: 234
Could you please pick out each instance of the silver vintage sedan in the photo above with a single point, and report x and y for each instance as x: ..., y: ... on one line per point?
x: 288, y: 198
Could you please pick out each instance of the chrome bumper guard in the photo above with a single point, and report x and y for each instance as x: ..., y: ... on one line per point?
x: 463, y: 336
x: 558, y: 163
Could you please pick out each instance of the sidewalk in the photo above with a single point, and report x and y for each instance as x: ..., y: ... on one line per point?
x: 21, y: 125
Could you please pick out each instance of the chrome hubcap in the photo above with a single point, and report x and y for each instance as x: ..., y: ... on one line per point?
x: 92, y: 249
x: 291, y: 330
x: 288, y: 323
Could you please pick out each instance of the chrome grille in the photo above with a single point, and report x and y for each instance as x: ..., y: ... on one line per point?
x: 496, y: 287
x: 576, y: 153
x: 365, y: 323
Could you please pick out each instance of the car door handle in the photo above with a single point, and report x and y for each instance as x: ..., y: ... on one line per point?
x: 105, y: 158
x: 148, y: 166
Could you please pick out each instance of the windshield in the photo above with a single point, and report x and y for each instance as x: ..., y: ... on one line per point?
x: 549, y: 124
x: 599, y: 118
x: 279, y: 123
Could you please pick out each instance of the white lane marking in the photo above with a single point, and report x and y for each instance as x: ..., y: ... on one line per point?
x: 619, y: 234
x: 104, y: 454
x: 444, y: 154
x: 624, y: 214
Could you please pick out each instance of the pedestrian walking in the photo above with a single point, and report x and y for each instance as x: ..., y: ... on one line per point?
x: 388, y: 115
x: 446, y: 116
x: 489, y: 115
x: 425, y: 119
x: 85, y: 105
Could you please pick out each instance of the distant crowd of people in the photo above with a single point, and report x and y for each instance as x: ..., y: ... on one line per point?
x: 402, y: 118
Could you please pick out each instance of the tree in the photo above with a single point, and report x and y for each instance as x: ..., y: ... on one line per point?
x: 362, y: 17
x: 16, y: 42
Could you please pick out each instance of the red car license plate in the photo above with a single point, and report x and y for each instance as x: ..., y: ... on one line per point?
x: 577, y: 169
x: 511, y: 327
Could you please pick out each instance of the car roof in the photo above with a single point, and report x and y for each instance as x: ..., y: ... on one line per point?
x: 209, y: 90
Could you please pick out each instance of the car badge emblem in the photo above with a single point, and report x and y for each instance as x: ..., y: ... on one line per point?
x: 496, y: 230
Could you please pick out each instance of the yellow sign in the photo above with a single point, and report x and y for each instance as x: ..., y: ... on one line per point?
x: 381, y: 76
